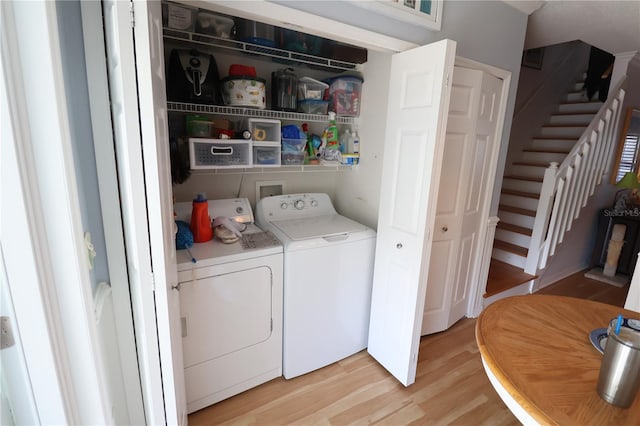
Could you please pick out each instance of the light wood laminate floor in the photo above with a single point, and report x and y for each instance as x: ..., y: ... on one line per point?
x: 451, y: 386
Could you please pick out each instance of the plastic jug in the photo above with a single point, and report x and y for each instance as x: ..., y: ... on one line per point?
x: 200, y: 221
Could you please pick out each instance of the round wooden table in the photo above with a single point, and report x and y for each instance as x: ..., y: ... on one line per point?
x: 537, y: 354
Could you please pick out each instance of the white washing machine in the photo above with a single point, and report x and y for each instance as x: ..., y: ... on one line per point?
x: 328, y: 274
x: 231, y: 308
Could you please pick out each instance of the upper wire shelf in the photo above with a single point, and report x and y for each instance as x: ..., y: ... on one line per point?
x: 250, y: 48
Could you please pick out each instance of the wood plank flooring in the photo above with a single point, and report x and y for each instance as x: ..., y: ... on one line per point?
x: 503, y: 276
x: 451, y: 386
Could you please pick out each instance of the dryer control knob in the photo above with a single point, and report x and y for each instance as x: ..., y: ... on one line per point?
x: 314, y: 203
x: 299, y: 204
x: 284, y: 206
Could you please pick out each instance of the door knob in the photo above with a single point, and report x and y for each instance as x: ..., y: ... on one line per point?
x: 399, y: 245
x: 445, y: 229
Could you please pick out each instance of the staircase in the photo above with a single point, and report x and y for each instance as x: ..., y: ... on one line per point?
x: 522, y: 182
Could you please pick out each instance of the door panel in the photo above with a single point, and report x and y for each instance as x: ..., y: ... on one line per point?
x: 416, y: 123
x: 470, y: 135
x: 158, y: 188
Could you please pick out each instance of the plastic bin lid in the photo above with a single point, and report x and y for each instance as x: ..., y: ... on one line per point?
x: 309, y: 80
x: 347, y: 75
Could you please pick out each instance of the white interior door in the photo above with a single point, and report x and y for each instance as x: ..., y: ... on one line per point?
x: 162, y: 229
x: 414, y: 142
x: 136, y: 76
x: 471, y: 131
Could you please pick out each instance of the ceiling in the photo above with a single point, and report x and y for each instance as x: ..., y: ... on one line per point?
x: 613, y: 26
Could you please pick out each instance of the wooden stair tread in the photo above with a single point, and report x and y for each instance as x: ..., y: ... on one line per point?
x: 503, y: 276
x: 572, y: 113
x: 518, y: 210
x: 515, y: 228
x: 580, y: 102
x: 549, y: 151
x: 556, y: 125
x: 554, y: 138
x: 531, y: 164
x: 527, y: 178
x: 511, y: 248
x: 521, y: 193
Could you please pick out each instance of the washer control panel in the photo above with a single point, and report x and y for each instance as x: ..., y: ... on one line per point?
x: 292, y: 206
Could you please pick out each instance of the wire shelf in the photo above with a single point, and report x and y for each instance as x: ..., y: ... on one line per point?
x: 250, y: 48
x: 255, y: 113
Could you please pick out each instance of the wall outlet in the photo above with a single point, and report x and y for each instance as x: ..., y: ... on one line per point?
x: 269, y: 188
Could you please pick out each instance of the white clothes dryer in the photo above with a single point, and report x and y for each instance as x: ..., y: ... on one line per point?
x: 328, y: 275
x: 231, y: 308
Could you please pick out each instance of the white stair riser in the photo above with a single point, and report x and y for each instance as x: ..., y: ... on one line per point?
x: 513, y: 238
x: 522, y: 185
x: 553, y: 144
x: 579, y: 96
x: 529, y: 171
x: 518, y: 201
x: 571, y: 119
x: 516, y: 219
x: 591, y: 107
x: 510, y: 258
x: 542, y: 157
x: 565, y: 132
x: 578, y: 86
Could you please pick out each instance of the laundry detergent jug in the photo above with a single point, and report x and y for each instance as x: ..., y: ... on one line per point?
x: 200, y: 221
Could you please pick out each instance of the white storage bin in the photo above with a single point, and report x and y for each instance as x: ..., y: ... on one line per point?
x: 266, y: 154
x: 219, y: 153
x: 263, y: 130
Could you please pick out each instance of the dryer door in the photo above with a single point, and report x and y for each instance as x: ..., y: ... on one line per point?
x: 225, y: 313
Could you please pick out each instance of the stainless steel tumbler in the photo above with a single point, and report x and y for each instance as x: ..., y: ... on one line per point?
x: 619, y: 378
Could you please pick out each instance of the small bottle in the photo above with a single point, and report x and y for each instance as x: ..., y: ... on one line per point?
x: 345, y: 140
x: 355, y: 141
x: 200, y: 220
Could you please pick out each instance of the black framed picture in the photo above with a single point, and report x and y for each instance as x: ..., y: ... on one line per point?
x: 532, y: 58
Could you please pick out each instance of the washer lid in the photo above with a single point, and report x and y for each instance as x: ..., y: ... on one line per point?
x: 318, y: 227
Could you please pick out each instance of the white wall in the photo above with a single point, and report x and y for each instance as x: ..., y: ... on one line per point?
x: 358, y: 192
x: 540, y: 92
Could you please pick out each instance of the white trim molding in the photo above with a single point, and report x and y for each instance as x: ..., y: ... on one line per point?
x: 38, y: 110
x: 397, y: 10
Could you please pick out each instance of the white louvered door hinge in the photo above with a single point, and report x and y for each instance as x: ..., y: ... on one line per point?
x: 132, y: 14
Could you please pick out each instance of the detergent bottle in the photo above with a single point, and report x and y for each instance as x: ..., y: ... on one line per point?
x: 330, y: 134
x: 200, y: 221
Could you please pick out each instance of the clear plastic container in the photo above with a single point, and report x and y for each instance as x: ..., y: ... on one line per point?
x: 292, y: 158
x: 313, y: 106
x: 266, y: 155
x: 178, y: 16
x: 293, y: 145
x: 344, y: 95
x: 263, y: 130
x: 199, y: 126
x: 309, y: 88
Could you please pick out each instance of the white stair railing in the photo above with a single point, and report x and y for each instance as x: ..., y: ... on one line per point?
x: 567, y: 188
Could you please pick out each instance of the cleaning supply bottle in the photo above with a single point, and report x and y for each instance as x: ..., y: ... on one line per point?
x: 200, y: 221
x: 355, y: 143
x: 330, y: 134
x: 309, y: 152
x: 345, y: 140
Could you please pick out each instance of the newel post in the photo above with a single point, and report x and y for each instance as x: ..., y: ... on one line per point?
x: 542, y: 218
